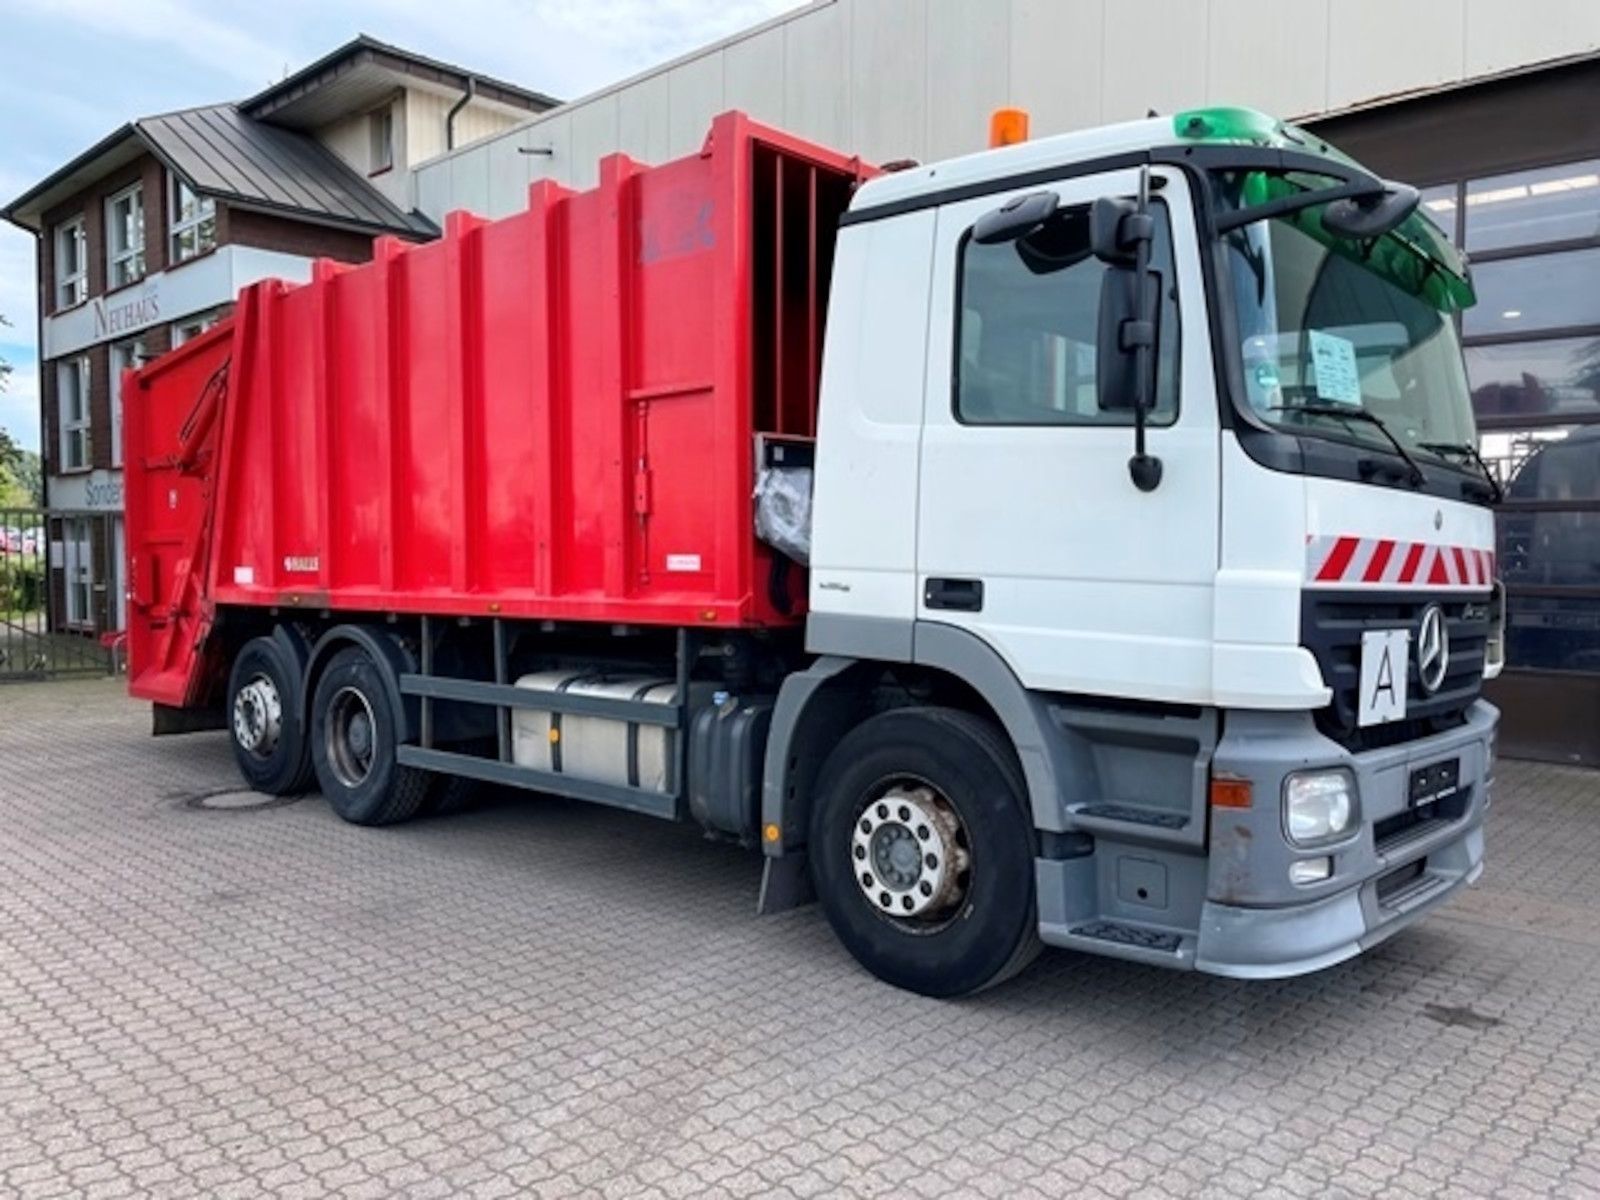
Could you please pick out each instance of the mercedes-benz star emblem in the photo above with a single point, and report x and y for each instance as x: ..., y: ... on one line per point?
x: 1433, y: 649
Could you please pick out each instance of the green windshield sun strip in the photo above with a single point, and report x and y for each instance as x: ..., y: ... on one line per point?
x: 1417, y: 257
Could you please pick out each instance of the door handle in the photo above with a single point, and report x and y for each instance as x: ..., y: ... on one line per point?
x: 954, y: 595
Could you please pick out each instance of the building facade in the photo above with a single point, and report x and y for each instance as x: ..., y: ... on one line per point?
x: 144, y: 241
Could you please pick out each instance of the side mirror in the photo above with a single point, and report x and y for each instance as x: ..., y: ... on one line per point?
x: 1116, y: 230
x: 1371, y: 215
x: 1016, y: 218
x: 1123, y: 331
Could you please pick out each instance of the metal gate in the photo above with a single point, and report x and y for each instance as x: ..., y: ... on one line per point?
x: 61, y: 593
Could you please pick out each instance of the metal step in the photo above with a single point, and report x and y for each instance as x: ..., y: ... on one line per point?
x: 1122, y: 939
x: 1127, y: 814
x: 1129, y: 935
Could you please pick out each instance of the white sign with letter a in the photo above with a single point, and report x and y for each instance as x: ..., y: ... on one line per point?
x: 1385, y: 655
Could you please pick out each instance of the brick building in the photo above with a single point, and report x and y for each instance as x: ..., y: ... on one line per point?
x: 144, y: 240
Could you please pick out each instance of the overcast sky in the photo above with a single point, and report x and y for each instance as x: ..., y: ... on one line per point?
x: 73, y: 71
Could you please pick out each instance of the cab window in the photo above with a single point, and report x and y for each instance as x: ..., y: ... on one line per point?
x: 1028, y: 318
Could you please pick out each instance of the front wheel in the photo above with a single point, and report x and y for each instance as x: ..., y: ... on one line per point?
x: 922, y: 853
x: 354, y: 736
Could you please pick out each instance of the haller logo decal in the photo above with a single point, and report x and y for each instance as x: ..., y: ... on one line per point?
x: 1433, y: 649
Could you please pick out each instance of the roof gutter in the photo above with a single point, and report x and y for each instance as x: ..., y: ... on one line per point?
x: 450, y: 117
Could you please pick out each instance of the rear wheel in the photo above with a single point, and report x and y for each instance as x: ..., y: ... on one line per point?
x: 922, y: 853
x: 263, y: 706
x: 449, y: 794
x: 354, y: 736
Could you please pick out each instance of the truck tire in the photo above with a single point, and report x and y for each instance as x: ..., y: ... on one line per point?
x: 353, y: 743
x: 268, y: 740
x: 449, y: 794
x: 921, y: 852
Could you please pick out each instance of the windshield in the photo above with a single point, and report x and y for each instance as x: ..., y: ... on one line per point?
x: 1326, y: 323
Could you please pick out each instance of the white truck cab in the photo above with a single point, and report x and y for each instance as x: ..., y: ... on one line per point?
x: 1151, y: 447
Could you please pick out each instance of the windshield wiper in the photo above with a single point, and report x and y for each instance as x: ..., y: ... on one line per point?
x: 1468, y: 451
x: 1344, y: 412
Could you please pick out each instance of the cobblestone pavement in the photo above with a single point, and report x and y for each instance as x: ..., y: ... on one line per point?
x: 546, y: 999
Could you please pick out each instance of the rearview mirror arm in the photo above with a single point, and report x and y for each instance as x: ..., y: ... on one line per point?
x: 1145, y: 469
x: 1283, y: 205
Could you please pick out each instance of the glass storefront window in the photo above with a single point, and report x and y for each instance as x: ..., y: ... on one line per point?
x: 1545, y: 291
x: 1443, y: 206
x: 1531, y: 208
x: 1536, y: 379
x: 1560, y: 464
x: 1553, y: 634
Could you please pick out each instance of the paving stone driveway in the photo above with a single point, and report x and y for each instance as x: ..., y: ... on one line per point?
x: 547, y: 999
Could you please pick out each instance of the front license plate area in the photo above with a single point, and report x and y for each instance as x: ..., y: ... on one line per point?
x: 1438, y: 781
x: 1385, y: 656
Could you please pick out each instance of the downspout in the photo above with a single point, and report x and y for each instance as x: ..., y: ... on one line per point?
x: 450, y: 117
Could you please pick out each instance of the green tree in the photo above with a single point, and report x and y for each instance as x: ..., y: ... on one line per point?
x: 19, y: 469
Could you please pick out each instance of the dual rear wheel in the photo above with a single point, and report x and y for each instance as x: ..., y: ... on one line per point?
x: 347, y: 746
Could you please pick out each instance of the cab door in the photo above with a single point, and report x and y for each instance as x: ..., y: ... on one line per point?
x: 1031, y: 532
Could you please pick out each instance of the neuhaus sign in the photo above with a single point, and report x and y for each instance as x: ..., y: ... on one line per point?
x: 126, y: 312
x: 191, y: 287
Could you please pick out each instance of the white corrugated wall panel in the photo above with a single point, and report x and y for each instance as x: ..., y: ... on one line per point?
x: 506, y: 171
x: 1502, y: 35
x: 1155, y: 57
x: 918, y: 78
x: 816, y: 85
x: 554, y: 134
x: 969, y: 73
x: 694, y: 95
x: 753, y: 77
x: 645, y: 119
x: 888, y: 79
x: 431, y: 191
x: 1269, y: 54
x: 1057, y: 62
x: 1375, y: 49
x: 469, y: 181
x: 596, y: 132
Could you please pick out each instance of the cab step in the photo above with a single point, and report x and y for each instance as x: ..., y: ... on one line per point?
x: 1123, y: 939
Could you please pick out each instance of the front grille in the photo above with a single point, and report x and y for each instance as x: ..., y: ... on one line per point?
x: 1331, y: 625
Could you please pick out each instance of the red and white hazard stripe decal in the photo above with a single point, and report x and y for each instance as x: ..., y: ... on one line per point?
x: 1382, y: 562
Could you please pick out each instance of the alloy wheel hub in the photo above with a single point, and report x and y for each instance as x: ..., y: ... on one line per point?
x: 258, y: 716
x: 907, y: 854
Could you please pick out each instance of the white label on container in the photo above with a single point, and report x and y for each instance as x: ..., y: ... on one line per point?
x: 244, y: 576
x: 683, y: 562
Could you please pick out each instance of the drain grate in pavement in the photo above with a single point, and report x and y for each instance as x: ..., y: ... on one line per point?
x: 237, y: 800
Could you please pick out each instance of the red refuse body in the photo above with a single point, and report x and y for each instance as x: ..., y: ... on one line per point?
x: 552, y: 415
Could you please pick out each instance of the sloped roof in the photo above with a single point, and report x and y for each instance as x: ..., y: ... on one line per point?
x: 363, y: 71
x: 222, y: 153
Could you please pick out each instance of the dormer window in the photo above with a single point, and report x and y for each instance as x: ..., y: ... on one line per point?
x: 381, y: 127
x: 192, y: 220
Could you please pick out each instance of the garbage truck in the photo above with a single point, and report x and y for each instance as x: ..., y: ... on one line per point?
x: 1081, y: 543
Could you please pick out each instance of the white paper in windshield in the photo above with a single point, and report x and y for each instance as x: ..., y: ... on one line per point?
x: 1333, y: 368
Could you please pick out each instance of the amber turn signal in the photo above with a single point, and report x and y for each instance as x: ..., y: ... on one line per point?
x: 1230, y: 793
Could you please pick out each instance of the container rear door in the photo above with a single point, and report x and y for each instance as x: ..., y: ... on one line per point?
x: 173, y: 422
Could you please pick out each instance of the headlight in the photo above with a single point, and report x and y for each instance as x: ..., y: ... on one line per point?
x: 1318, y: 806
